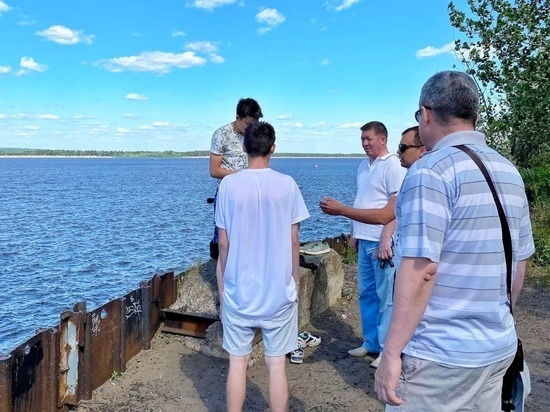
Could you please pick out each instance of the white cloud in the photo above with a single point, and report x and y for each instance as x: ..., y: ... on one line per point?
x: 63, y: 35
x: 47, y: 116
x: 4, y: 7
x: 178, y: 33
x: 352, y: 125
x: 216, y: 58
x: 5, y: 69
x: 284, y: 117
x: 210, y: 4
x: 30, y: 127
x: 28, y: 65
x: 32, y: 116
x: 271, y: 17
x: 160, y: 124
x: 206, y: 47
x: 431, y: 51
x: 26, y: 21
x: 339, y: 5
x: 136, y: 96
x: 202, y: 46
x: 156, y: 62
x: 123, y: 130
x: 319, y: 124
x: 325, y: 62
x: 131, y: 116
x: 298, y: 125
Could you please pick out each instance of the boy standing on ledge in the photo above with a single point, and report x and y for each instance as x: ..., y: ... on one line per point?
x: 258, y: 214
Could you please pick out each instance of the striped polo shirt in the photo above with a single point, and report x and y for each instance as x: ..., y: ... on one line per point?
x: 446, y: 213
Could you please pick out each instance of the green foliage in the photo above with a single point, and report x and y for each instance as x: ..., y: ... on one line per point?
x: 116, y: 375
x: 537, y: 183
x: 506, y: 48
x: 349, y: 256
x: 507, y: 51
x: 540, y: 213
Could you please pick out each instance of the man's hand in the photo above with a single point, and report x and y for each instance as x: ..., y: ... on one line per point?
x: 331, y: 206
x: 385, y: 251
x: 386, y: 380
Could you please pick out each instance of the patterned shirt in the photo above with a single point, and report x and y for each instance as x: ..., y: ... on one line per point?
x: 446, y: 213
x: 229, y: 144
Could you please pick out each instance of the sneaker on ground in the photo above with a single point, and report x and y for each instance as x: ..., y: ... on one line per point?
x: 297, y: 355
x: 376, y: 362
x: 307, y: 339
x: 314, y: 248
x: 361, y: 351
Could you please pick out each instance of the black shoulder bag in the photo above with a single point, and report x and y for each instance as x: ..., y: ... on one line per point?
x: 517, y: 364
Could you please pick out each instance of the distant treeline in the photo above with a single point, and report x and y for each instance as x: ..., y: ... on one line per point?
x: 166, y: 153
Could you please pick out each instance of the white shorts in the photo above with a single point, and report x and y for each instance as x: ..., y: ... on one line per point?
x: 280, y: 334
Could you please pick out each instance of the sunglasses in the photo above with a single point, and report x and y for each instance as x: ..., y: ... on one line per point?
x: 403, y: 147
x: 419, y: 111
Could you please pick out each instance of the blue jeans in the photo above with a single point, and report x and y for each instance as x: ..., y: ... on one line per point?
x: 375, y: 295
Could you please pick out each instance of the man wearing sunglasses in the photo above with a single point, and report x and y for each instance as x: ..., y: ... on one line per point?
x: 410, y: 148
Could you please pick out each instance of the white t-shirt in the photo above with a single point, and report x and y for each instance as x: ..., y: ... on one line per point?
x: 376, y: 183
x: 257, y: 208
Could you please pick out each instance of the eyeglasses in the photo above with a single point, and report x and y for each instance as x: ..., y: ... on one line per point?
x: 419, y: 111
x: 403, y: 147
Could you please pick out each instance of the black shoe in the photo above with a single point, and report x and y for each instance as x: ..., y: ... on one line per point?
x: 214, y: 251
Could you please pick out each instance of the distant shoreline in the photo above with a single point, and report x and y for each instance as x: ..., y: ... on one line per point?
x: 282, y: 156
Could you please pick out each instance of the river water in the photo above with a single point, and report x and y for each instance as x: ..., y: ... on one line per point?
x: 74, y: 229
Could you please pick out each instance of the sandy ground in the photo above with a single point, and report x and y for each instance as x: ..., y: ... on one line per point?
x: 171, y: 377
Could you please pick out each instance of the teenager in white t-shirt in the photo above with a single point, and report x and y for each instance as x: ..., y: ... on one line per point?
x: 258, y: 214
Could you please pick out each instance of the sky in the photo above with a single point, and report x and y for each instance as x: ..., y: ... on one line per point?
x: 164, y: 75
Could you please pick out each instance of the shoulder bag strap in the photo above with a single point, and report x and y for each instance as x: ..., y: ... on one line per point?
x: 506, y: 237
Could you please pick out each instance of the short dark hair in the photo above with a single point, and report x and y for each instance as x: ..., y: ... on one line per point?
x: 451, y: 95
x: 377, y: 127
x: 259, y: 137
x: 416, y: 134
x: 249, y: 108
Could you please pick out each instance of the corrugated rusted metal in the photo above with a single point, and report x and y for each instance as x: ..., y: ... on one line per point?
x: 338, y: 243
x: 102, y: 344
x: 5, y: 383
x: 133, y: 316
x: 71, y: 338
x: 34, y: 368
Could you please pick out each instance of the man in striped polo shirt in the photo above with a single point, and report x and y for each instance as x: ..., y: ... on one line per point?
x: 452, y: 337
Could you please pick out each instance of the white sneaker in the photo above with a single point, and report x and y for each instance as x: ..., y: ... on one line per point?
x: 376, y: 362
x: 314, y: 248
x: 359, y: 352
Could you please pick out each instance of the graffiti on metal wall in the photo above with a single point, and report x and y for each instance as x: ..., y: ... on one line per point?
x: 96, y: 323
x: 134, y: 308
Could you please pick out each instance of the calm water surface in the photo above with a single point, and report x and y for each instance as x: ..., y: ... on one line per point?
x: 74, y: 229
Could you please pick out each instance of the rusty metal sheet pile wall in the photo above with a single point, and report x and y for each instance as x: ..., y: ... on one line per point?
x: 134, y: 323
x: 31, y: 363
x: 59, y: 367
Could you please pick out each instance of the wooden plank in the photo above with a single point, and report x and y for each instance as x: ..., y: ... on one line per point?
x: 186, y: 323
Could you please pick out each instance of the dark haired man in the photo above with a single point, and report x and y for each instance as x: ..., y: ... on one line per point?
x: 258, y: 215
x: 226, y: 149
x: 410, y: 147
x: 452, y: 336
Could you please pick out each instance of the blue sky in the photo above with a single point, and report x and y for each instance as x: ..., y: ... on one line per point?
x: 163, y: 75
